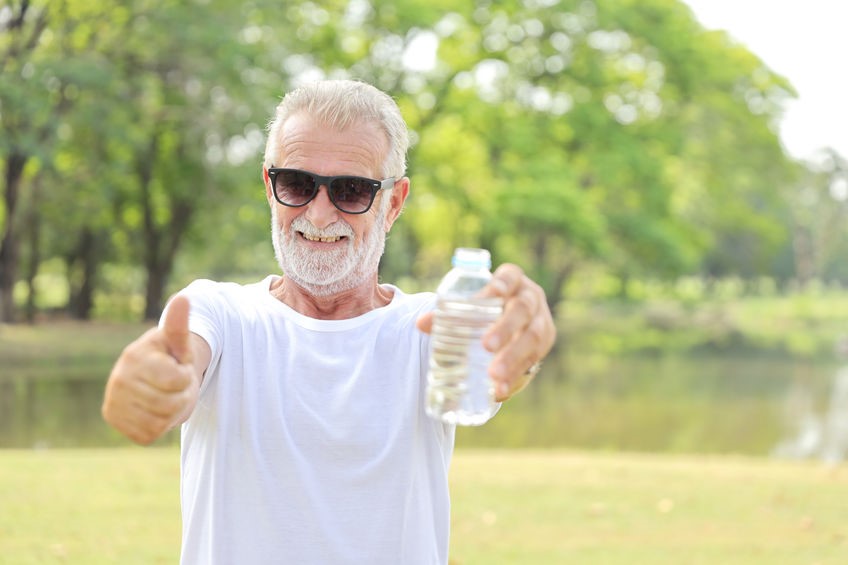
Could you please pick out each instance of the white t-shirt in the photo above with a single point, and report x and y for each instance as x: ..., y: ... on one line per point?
x: 309, y: 443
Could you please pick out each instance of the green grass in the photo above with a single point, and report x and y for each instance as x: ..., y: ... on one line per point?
x: 545, y: 507
x: 512, y: 507
x: 89, y: 506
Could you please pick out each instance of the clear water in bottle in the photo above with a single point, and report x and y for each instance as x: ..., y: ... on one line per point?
x: 459, y: 389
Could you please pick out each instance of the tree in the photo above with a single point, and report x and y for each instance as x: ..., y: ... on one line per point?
x: 24, y: 126
x: 166, y: 122
x: 819, y: 216
x: 48, y: 58
x: 558, y: 134
x: 607, y: 127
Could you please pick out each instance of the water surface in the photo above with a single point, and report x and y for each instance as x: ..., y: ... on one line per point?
x: 678, y: 404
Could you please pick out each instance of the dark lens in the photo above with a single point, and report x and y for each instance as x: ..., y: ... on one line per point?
x: 352, y: 194
x: 294, y: 187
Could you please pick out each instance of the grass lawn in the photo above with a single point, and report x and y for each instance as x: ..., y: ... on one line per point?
x: 121, y: 505
x: 577, y: 507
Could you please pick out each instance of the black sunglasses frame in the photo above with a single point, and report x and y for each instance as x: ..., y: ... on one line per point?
x: 320, y: 180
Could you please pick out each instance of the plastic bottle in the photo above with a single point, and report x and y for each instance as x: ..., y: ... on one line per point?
x: 459, y: 389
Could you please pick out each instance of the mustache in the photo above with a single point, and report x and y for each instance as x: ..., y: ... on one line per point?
x: 336, y: 229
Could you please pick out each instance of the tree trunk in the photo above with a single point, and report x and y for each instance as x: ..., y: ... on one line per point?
x: 88, y: 258
x: 160, y: 242
x: 157, y: 278
x: 34, y: 243
x: 154, y: 288
x: 160, y: 259
x: 9, y: 246
x: 556, y: 279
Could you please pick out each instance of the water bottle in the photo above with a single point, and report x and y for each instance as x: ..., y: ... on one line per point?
x: 459, y: 390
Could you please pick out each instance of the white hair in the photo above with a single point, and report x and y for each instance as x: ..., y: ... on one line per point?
x: 340, y: 104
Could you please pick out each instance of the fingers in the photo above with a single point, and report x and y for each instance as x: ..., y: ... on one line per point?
x: 143, y: 415
x: 160, y: 402
x: 506, y: 281
x: 523, y: 335
x: 509, y: 368
x: 523, y: 300
x: 136, y: 425
x: 519, y: 310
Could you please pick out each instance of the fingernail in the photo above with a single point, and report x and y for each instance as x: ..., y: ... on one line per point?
x: 503, y: 389
x: 499, y: 371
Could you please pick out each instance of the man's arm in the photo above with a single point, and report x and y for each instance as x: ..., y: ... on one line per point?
x: 155, y: 382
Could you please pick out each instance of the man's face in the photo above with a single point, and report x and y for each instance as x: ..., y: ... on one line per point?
x: 320, y: 248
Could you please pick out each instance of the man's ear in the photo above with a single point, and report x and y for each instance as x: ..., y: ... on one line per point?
x: 267, y: 180
x: 398, y: 197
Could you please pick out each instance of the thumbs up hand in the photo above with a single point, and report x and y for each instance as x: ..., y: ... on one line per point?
x: 155, y: 382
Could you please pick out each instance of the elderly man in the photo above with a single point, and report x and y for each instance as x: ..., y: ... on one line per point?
x: 301, y: 397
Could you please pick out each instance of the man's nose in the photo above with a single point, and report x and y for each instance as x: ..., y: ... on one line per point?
x: 321, y: 212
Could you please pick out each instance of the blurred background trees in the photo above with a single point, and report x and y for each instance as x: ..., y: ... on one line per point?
x: 566, y: 136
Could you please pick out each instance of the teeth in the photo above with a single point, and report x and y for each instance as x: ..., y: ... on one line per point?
x: 322, y: 239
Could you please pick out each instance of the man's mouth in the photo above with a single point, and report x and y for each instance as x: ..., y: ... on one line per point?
x: 324, y: 239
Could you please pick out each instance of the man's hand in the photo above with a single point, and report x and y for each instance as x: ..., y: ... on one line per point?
x: 154, y: 384
x: 523, y: 335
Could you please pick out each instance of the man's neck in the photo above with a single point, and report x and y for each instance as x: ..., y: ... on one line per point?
x: 344, y: 305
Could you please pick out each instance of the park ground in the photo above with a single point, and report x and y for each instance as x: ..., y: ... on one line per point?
x: 120, y: 505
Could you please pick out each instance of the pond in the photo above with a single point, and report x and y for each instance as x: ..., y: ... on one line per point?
x: 757, y: 406
x: 703, y: 404
x: 41, y: 413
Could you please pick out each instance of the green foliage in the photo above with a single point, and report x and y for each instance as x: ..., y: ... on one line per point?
x: 560, y: 135
x: 731, y: 316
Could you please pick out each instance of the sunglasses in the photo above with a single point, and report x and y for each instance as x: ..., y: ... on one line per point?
x: 351, y: 195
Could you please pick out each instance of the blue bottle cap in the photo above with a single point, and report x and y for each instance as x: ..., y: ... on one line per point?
x: 470, y: 258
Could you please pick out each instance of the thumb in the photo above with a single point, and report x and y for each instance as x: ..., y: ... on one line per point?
x: 175, y: 329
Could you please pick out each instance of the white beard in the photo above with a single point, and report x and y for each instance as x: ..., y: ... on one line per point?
x: 333, y: 271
